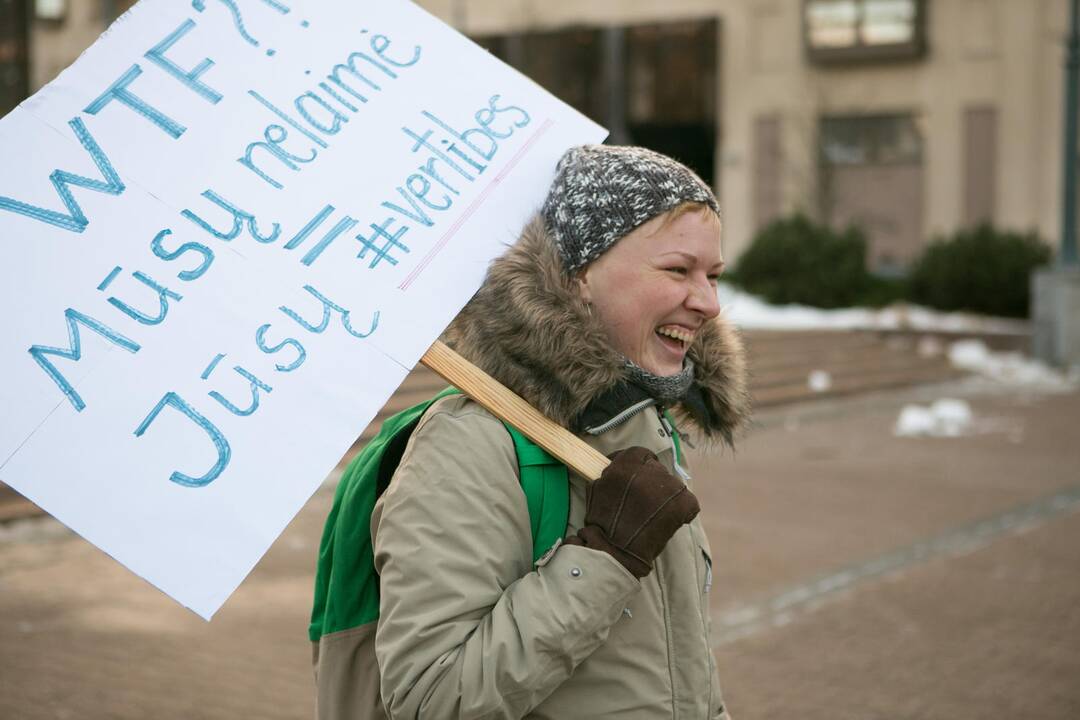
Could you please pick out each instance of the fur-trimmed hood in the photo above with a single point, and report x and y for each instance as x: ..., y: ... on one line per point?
x: 527, y: 327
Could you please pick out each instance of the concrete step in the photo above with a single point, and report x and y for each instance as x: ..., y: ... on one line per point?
x: 770, y: 354
x: 765, y: 341
x: 855, y: 363
x: 781, y: 364
x: 847, y: 384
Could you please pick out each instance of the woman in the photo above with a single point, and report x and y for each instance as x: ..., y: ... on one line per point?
x: 601, y: 316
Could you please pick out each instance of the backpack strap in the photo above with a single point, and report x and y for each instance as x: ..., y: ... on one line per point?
x: 546, y: 484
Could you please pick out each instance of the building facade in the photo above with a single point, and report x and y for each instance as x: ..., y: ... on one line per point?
x: 909, y: 118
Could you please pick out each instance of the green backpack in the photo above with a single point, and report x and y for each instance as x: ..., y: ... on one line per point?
x: 346, y: 584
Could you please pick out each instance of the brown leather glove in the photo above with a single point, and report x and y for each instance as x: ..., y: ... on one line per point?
x: 633, y: 510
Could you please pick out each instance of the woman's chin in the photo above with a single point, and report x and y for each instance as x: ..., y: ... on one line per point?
x: 665, y: 367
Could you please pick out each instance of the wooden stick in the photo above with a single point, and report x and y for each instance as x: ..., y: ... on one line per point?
x: 506, y: 405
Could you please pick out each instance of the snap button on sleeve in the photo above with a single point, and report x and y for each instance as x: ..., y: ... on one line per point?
x: 575, y: 572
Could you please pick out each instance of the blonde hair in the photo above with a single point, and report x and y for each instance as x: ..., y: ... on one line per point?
x: 681, y: 209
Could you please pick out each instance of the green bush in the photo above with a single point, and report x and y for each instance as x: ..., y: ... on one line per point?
x: 794, y: 260
x: 883, y: 291
x: 982, y: 270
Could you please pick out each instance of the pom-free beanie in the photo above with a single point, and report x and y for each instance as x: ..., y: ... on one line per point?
x: 602, y: 192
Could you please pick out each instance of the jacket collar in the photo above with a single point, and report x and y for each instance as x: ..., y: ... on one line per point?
x: 527, y: 327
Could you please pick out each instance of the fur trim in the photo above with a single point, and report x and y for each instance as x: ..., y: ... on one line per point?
x: 527, y: 327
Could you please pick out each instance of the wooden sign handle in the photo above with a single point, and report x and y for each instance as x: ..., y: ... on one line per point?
x: 508, y: 406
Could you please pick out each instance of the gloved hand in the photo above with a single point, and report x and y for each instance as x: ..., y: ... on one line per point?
x: 633, y: 510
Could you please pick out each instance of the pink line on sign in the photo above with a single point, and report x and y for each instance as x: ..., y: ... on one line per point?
x: 452, y: 230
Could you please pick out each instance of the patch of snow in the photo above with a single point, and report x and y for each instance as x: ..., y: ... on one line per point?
x: 914, y: 421
x: 819, y: 381
x: 751, y: 312
x: 1011, y: 368
x: 929, y: 347
x: 944, y: 418
x: 954, y: 417
x: 970, y: 355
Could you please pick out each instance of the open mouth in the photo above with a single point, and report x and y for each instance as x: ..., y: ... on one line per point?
x: 675, y: 337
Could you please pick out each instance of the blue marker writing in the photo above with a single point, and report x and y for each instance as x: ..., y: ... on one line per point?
x: 224, y: 452
x: 74, y: 319
x: 75, y: 220
x: 328, y: 306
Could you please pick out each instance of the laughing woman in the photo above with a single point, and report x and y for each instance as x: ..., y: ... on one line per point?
x: 604, y: 316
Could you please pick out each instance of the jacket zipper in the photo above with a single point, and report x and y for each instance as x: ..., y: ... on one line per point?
x: 621, y: 417
x: 670, y: 430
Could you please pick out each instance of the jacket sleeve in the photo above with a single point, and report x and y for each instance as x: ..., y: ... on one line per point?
x: 467, y: 627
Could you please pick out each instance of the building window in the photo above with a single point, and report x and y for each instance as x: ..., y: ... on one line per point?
x: 846, y: 31
x: 51, y: 10
x: 871, y: 176
x: 870, y: 140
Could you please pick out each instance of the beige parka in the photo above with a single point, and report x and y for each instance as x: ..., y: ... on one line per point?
x: 469, y: 627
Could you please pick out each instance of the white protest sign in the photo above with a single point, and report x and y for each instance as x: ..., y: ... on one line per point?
x: 228, y: 231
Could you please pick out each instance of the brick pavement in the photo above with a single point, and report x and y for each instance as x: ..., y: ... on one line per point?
x: 814, y: 490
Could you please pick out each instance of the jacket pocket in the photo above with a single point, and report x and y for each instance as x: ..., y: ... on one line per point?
x: 703, y: 561
x: 706, y: 583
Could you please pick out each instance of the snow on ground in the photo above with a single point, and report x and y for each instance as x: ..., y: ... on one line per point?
x: 944, y: 418
x: 950, y: 418
x: 819, y: 380
x: 1012, y: 369
x: 751, y: 312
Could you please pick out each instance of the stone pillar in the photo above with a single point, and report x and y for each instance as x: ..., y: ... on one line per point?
x: 614, y: 44
x: 1055, y: 314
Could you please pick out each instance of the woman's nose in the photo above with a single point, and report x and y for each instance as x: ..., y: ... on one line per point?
x: 702, y: 298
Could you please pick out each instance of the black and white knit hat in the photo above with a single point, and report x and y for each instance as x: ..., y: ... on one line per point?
x: 602, y: 192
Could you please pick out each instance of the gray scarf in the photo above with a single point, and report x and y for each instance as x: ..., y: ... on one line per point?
x: 665, y: 389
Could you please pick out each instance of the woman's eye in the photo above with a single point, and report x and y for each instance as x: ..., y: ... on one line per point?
x: 714, y: 279
x: 677, y: 270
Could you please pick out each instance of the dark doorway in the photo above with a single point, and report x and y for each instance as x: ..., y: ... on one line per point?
x: 14, y: 53
x: 653, y: 85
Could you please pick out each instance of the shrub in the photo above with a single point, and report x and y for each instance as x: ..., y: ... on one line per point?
x: 883, y: 291
x: 794, y: 260
x: 982, y: 270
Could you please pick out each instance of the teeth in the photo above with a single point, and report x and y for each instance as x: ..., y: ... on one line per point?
x: 681, y: 335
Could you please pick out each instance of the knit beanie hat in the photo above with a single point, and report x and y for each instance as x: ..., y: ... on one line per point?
x: 602, y: 192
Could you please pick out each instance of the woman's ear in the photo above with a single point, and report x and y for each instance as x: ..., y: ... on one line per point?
x: 584, y: 291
